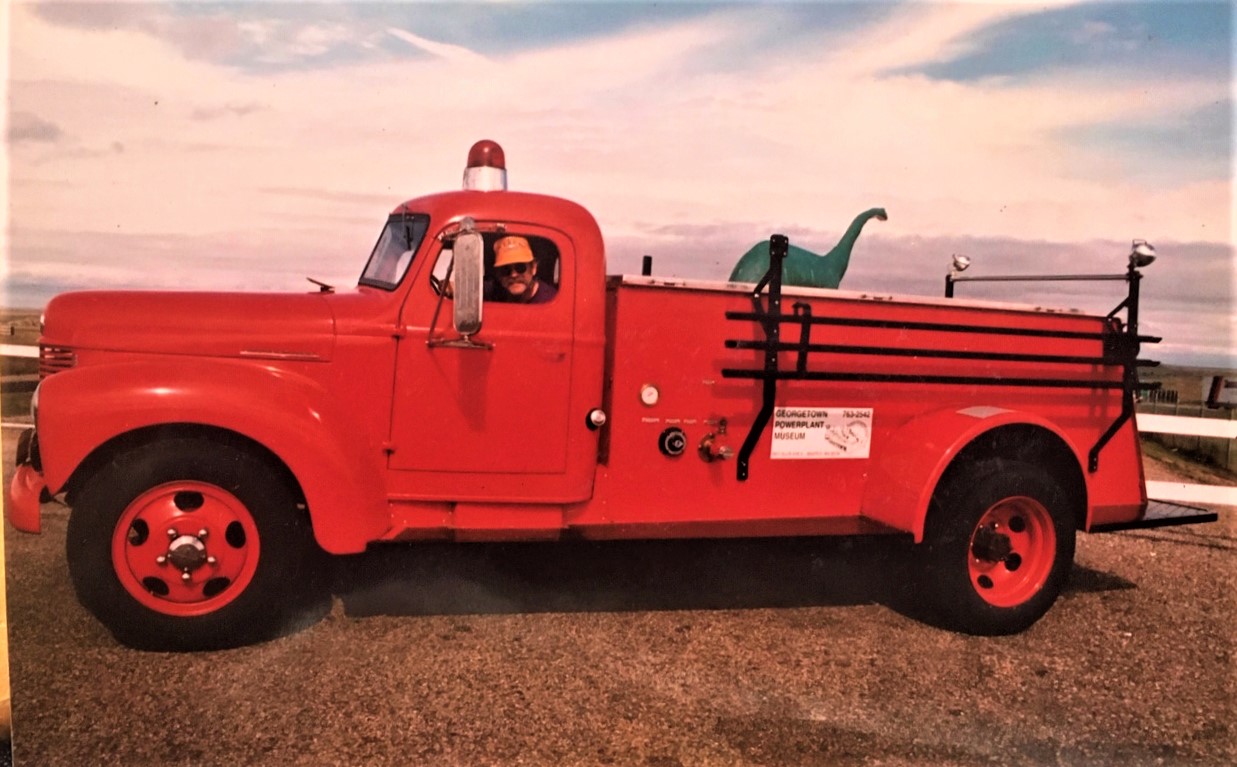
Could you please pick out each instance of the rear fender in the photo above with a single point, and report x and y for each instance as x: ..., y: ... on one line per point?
x: 907, y: 469
x: 337, y: 465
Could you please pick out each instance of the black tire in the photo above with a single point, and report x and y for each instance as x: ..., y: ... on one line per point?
x: 277, y: 573
x: 998, y: 547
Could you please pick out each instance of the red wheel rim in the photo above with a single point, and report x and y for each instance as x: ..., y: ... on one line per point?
x: 1012, y: 551
x: 185, y: 548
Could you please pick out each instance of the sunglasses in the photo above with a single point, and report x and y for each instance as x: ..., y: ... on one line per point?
x: 510, y: 269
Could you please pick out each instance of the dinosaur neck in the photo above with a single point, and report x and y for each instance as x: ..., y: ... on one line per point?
x: 842, y: 249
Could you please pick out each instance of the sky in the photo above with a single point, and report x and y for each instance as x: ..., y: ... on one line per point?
x: 250, y: 145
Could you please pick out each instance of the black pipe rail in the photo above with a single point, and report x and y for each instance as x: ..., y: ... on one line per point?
x: 1120, y: 344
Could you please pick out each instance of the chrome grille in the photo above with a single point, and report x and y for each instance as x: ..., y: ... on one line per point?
x: 53, y: 359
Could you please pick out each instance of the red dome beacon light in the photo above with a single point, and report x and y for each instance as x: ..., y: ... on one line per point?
x: 487, y: 168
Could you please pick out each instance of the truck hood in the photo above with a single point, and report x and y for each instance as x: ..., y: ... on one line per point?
x: 290, y: 326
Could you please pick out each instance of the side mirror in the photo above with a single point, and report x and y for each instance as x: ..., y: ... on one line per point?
x: 469, y: 274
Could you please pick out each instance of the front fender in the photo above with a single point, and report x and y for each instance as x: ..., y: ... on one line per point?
x: 907, y: 469
x: 338, y: 465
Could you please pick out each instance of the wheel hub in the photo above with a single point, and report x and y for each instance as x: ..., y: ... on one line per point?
x: 187, y: 553
x: 991, y: 545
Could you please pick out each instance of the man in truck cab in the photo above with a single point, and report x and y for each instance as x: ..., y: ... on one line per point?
x: 516, y: 268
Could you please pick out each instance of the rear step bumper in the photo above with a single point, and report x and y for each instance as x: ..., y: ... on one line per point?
x: 1162, y: 514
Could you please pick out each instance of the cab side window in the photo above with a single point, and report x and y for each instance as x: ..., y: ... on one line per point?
x: 518, y: 269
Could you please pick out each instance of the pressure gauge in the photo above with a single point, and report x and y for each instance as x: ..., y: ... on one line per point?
x: 649, y: 395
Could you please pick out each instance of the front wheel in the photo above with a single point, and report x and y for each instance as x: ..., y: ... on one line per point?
x: 192, y: 544
x: 998, y: 547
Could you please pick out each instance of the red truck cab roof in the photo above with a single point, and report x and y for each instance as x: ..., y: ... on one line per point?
x: 502, y: 206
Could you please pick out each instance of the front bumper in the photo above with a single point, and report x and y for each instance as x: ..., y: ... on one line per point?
x: 25, y: 495
x: 28, y: 490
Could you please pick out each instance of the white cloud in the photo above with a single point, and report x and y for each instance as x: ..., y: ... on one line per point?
x: 1091, y: 31
x: 256, y: 31
x: 316, y: 39
x: 926, y: 31
x: 453, y: 53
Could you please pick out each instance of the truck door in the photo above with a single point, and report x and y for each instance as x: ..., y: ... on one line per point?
x: 486, y: 423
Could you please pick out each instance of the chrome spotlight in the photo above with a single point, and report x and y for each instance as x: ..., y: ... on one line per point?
x: 961, y: 263
x: 1142, y: 253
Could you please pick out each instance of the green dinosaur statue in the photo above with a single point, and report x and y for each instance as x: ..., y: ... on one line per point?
x: 803, y: 267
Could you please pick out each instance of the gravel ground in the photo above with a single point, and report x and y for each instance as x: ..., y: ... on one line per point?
x: 659, y: 654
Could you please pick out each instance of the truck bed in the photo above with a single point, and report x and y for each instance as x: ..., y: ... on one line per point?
x: 888, y: 361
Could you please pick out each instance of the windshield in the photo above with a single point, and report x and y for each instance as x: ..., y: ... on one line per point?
x: 394, y: 251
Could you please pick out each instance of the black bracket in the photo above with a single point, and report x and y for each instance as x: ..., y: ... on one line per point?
x: 1121, y: 347
x: 770, y: 321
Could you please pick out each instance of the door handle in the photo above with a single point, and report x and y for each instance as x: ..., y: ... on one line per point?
x: 551, y: 353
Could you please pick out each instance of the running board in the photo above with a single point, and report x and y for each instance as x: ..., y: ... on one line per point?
x: 1162, y: 514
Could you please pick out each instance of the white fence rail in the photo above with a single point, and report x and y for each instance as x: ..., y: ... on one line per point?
x: 1182, y: 492
x: 14, y: 350
x: 1186, y: 425
x: 1213, y: 429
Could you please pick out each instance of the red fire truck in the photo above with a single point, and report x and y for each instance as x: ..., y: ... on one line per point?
x: 212, y: 446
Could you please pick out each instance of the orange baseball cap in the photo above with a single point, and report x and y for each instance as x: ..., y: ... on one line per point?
x: 512, y: 250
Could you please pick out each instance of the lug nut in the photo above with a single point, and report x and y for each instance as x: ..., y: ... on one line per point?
x: 202, y: 533
x: 172, y: 532
x: 161, y: 559
x: 212, y: 561
x: 185, y: 576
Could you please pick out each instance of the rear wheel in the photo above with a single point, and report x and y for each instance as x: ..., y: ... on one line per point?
x: 998, y: 547
x: 191, y: 544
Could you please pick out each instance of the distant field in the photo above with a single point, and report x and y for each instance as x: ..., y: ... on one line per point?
x: 1188, y: 382
x: 19, y: 326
